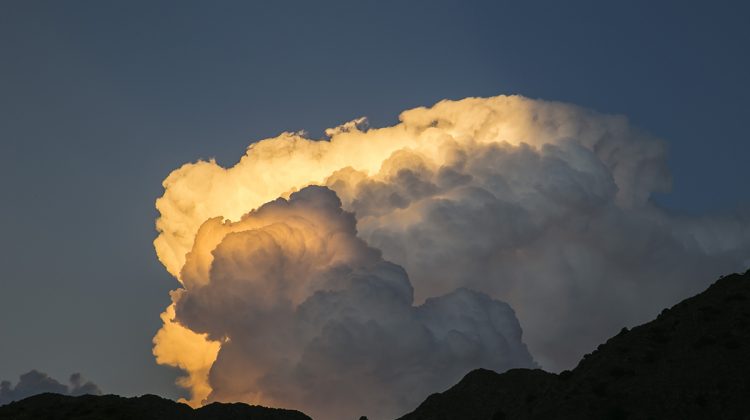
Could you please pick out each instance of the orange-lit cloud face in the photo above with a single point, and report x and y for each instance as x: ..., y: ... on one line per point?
x: 443, y: 134
x: 175, y: 345
x: 302, y: 301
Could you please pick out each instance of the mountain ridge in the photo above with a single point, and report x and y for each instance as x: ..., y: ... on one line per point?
x: 688, y: 363
x: 51, y: 406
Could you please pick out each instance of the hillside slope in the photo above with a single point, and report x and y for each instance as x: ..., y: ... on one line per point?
x: 147, y: 407
x: 689, y: 363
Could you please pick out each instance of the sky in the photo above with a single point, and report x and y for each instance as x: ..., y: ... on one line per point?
x: 99, y: 102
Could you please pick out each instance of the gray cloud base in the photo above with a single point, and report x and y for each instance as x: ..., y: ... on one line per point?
x: 35, y: 382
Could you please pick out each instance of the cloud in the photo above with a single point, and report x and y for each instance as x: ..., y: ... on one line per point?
x: 306, y: 312
x: 543, y: 205
x: 35, y: 382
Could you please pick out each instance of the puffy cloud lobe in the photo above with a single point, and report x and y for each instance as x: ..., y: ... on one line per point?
x: 35, y: 382
x: 309, y: 316
x: 543, y: 205
x: 543, y: 229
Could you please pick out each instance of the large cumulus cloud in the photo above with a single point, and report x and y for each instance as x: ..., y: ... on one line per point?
x: 544, y: 205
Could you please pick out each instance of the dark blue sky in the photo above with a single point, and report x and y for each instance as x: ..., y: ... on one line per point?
x: 99, y: 101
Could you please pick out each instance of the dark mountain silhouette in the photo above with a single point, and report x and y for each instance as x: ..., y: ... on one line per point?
x: 689, y: 363
x: 148, y: 407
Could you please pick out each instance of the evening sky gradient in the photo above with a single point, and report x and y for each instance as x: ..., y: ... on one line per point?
x: 100, y: 101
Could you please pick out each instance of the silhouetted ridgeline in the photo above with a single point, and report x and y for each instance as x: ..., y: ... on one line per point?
x: 692, y: 362
x: 147, y: 407
x: 689, y: 363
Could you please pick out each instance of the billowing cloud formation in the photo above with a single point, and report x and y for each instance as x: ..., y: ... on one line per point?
x: 309, y: 316
x: 35, y: 382
x: 543, y: 205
